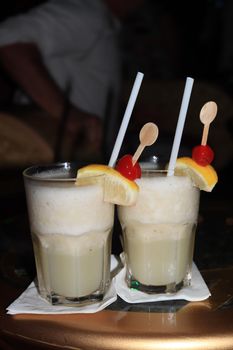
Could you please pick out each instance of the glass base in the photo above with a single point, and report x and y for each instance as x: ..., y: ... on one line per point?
x: 170, y: 288
x: 55, y: 299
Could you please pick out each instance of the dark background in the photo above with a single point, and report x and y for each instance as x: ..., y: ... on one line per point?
x: 168, y: 41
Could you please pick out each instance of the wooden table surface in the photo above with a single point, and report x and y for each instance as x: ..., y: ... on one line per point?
x: 163, y: 325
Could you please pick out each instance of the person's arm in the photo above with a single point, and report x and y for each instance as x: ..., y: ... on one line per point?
x: 24, y: 64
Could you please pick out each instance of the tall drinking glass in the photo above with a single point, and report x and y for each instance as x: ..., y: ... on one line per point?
x: 159, y: 233
x: 71, y: 230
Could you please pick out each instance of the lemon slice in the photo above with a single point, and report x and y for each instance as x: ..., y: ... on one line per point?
x: 117, y: 188
x: 204, y: 177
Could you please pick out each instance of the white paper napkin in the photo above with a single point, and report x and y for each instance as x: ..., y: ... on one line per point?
x: 30, y: 302
x: 196, y: 292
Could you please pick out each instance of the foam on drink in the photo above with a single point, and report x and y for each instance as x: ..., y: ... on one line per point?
x: 170, y: 192
x: 79, y: 209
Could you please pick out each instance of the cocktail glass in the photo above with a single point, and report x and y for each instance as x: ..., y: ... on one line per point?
x: 71, y: 229
x: 159, y: 233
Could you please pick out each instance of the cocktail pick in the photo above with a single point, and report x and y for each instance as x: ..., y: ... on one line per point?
x: 207, y: 115
x: 148, y: 135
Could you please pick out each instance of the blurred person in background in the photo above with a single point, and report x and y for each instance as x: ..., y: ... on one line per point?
x: 63, y: 57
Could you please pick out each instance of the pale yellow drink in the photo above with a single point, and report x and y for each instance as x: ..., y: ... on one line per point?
x: 159, y: 233
x: 71, y: 231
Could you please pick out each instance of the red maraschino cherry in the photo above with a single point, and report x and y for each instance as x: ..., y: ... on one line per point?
x: 203, y: 155
x: 128, y: 165
x: 126, y: 168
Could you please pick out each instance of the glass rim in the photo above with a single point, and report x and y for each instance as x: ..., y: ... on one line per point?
x: 33, y: 172
x: 154, y: 171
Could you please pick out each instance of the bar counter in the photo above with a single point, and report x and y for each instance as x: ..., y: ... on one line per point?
x: 164, y: 325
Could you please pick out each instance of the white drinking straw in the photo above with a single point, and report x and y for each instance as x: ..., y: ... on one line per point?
x: 180, y: 125
x: 126, y: 118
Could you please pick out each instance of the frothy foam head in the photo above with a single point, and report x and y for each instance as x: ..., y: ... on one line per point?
x: 163, y: 200
x: 64, y: 208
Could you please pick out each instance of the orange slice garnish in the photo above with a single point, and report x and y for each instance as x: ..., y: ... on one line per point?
x: 203, y: 177
x: 117, y: 188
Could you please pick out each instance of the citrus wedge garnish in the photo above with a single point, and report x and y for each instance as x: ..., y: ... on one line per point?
x: 117, y: 188
x: 203, y: 177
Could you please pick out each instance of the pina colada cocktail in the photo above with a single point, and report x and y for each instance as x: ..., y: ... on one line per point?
x: 71, y: 229
x: 159, y: 233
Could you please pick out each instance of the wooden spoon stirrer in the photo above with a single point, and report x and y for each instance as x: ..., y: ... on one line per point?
x: 207, y: 115
x: 148, y: 135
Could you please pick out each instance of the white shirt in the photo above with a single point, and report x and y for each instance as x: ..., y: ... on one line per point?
x: 78, y: 43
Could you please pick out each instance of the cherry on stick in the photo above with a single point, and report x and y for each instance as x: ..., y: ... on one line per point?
x: 203, y: 155
x: 126, y: 168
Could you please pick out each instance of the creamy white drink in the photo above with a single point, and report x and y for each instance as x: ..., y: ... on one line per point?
x: 71, y: 231
x: 159, y: 233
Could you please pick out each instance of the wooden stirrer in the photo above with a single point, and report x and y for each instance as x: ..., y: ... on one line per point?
x: 207, y: 115
x: 148, y: 135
